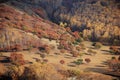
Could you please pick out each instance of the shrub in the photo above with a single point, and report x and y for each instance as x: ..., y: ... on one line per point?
x: 75, y: 43
x: 91, y: 52
x: 116, y: 42
x: 78, y: 62
x: 119, y: 58
x: 78, y: 48
x: 17, y: 59
x: 63, y: 24
x: 41, y: 72
x: 82, y: 46
x: 73, y: 72
x: 18, y: 47
x: 15, y: 72
x: 97, y: 45
x: 75, y: 54
x: 68, y: 29
x: 62, y: 50
x: 114, y: 64
x: 47, y: 49
x: 42, y: 55
x: 87, y: 60
x: 114, y: 50
x: 62, y: 61
x: 45, y: 60
x: 76, y: 35
x: 24, y: 27
x: 60, y: 47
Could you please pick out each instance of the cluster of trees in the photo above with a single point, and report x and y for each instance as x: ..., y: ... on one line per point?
x: 99, y: 20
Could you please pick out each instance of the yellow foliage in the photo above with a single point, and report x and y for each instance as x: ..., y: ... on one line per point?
x: 39, y: 71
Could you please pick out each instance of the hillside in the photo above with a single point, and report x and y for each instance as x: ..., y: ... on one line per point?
x: 59, y: 40
x: 97, y: 20
x: 24, y: 25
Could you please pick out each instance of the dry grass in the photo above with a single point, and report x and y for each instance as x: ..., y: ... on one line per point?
x: 93, y: 76
x: 2, y: 69
x: 41, y: 72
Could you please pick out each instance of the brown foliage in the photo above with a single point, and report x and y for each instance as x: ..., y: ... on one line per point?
x: 75, y: 53
x: 62, y: 61
x: 17, y: 59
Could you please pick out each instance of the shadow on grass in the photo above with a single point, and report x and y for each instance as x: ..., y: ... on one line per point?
x: 4, y: 59
x: 104, y: 71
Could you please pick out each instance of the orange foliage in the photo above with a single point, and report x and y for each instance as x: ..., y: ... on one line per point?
x: 76, y: 35
x: 17, y: 59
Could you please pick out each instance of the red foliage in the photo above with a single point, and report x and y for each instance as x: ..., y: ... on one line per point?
x: 18, y: 47
x: 87, y: 60
x: 65, y: 44
x: 17, y: 59
x: 113, y: 47
x: 34, y: 24
x: 62, y: 61
x: 114, y: 65
x: 52, y: 35
x: 76, y: 35
x: 116, y: 49
x: 68, y: 29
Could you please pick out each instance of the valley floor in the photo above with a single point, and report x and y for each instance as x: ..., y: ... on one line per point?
x: 97, y: 63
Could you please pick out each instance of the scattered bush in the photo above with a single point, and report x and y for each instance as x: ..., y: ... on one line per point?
x: 75, y: 54
x: 14, y: 72
x: 73, y: 72
x: 24, y: 27
x: 62, y: 61
x: 68, y: 29
x: 78, y: 48
x: 45, y: 60
x: 62, y: 50
x: 63, y: 24
x: 116, y: 42
x: 91, y: 52
x: 79, y: 40
x: 17, y: 59
x: 114, y: 50
x: 41, y: 72
x: 75, y: 43
x: 114, y: 64
x: 82, y: 46
x: 87, y: 60
x: 76, y: 35
x: 119, y: 58
x: 78, y: 62
x: 97, y: 45
x: 45, y: 48
x: 42, y: 55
